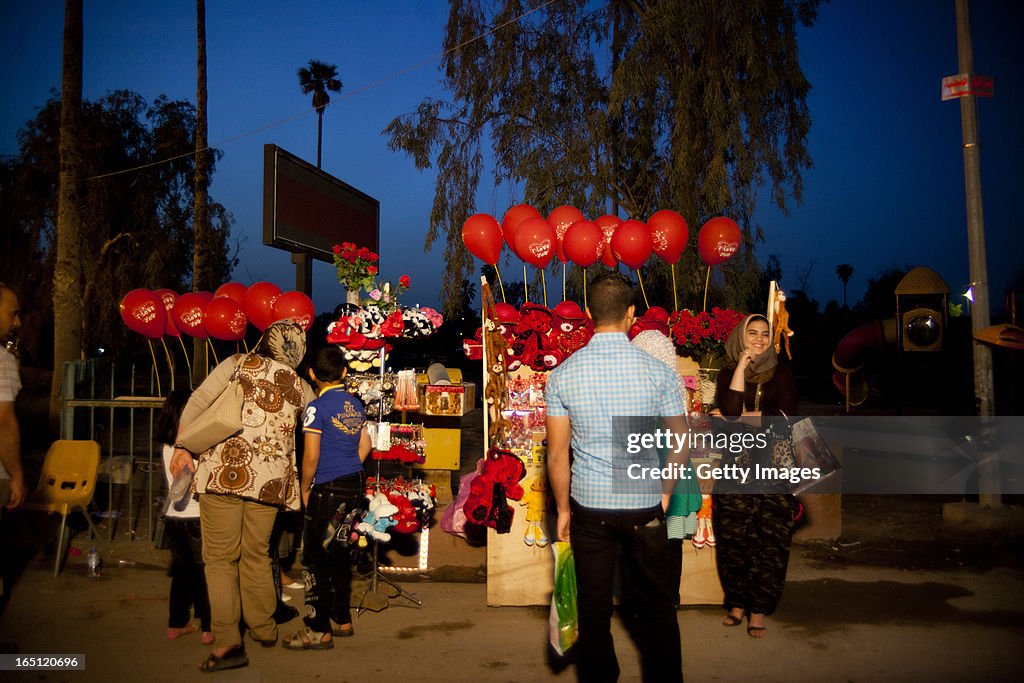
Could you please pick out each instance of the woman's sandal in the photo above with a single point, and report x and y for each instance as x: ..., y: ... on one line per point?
x: 307, y: 639
x: 175, y: 633
x: 756, y: 631
x: 207, y: 638
x: 232, y: 659
x: 732, y: 620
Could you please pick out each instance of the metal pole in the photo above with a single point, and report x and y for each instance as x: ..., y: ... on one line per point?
x: 988, y: 474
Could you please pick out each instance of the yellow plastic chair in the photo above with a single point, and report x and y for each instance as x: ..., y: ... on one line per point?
x: 66, y: 485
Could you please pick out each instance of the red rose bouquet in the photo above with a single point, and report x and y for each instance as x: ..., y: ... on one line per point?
x: 702, y: 336
x: 356, y: 266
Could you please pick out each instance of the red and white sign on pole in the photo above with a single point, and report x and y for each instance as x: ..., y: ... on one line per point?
x: 963, y: 85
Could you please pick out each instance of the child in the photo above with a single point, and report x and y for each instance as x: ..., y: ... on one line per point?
x: 332, y: 484
x: 188, y: 582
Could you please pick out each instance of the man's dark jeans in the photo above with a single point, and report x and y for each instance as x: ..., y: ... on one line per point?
x: 600, y: 538
x: 329, y: 586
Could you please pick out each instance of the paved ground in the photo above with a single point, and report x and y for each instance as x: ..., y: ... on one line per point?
x: 900, y: 597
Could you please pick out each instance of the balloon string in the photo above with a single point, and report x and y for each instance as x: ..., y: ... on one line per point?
x: 188, y: 361
x: 675, y: 295
x: 500, y: 286
x: 526, y: 290
x: 170, y: 363
x: 544, y: 285
x: 245, y: 346
x: 640, y: 279
x: 584, y: 289
x: 209, y: 344
x: 565, y: 267
x: 707, y: 281
x: 156, y: 370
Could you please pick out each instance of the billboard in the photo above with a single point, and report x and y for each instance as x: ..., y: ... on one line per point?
x: 309, y: 211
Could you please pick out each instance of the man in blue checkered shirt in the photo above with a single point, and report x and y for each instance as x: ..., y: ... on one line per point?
x: 610, y: 512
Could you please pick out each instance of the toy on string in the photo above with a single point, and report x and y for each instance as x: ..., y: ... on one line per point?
x: 144, y: 312
x: 631, y: 244
x: 669, y: 235
x: 717, y: 241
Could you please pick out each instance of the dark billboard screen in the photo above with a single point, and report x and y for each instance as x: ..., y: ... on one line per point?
x: 308, y: 210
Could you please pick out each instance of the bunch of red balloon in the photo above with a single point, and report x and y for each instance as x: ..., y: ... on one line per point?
x: 223, y: 315
x: 567, y: 234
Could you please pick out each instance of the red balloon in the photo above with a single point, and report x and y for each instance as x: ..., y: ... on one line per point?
x: 513, y: 217
x: 584, y: 243
x: 232, y: 290
x: 188, y: 314
x: 631, y: 243
x: 169, y: 298
x: 298, y: 307
x: 144, y: 312
x: 608, y: 223
x: 482, y: 236
x: 669, y: 234
x: 535, y: 242
x: 259, y: 303
x: 207, y: 297
x: 224, y: 319
x: 560, y: 219
x: 718, y: 240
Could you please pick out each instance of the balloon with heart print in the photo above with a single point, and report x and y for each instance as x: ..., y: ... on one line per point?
x: 718, y: 240
x: 669, y: 234
x: 535, y: 242
x: 188, y: 314
x: 297, y: 306
x: 631, y: 243
x: 143, y: 311
x: 513, y: 217
x: 482, y: 236
x: 584, y: 243
x: 608, y: 223
x: 224, y: 319
x: 169, y: 297
x: 560, y: 219
x: 232, y: 290
x: 259, y: 303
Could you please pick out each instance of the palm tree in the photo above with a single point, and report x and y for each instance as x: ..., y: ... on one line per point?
x: 318, y: 78
x: 844, y: 271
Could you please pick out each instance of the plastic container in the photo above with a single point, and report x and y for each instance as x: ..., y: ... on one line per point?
x: 93, y: 563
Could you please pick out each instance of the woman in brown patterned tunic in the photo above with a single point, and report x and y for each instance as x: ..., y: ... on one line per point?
x: 243, y: 482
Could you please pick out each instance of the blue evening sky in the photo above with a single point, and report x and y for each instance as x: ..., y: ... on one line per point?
x: 886, y: 189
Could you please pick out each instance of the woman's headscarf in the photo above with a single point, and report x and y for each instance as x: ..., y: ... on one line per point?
x: 762, y: 368
x: 285, y: 342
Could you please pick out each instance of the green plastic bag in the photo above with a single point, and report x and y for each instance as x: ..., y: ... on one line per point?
x: 563, y: 625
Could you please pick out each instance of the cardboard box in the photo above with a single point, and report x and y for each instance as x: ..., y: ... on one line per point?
x: 444, y: 399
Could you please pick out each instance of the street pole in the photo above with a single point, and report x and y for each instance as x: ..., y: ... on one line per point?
x: 988, y: 474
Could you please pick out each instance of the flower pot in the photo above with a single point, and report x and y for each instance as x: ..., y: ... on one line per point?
x: 707, y: 382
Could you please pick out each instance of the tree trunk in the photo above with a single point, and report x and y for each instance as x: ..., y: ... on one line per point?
x: 201, y: 220
x: 319, y: 133
x: 67, y: 272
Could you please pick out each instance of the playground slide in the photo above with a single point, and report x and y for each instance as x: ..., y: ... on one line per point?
x: 848, y: 359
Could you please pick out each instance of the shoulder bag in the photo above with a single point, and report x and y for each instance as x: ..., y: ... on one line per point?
x: 220, y: 421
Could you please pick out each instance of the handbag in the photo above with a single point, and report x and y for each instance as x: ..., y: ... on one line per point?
x: 220, y: 421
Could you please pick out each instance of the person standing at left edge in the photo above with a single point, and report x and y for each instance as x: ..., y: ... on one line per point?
x: 613, y: 517
x: 12, y: 477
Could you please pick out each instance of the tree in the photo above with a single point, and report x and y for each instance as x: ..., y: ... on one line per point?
x: 631, y: 107
x: 319, y: 78
x: 67, y: 273
x: 844, y: 271
x: 136, y: 227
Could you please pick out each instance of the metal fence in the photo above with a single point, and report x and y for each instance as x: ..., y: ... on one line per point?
x: 116, y: 405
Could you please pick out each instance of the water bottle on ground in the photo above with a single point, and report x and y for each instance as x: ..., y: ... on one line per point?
x: 93, y: 562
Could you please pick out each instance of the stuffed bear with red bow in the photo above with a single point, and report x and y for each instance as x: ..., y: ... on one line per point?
x: 497, y: 483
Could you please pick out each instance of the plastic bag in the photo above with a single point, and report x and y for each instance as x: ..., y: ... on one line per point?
x: 563, y: 625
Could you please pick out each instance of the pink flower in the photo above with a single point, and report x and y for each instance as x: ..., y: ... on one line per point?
x: 375, y: 294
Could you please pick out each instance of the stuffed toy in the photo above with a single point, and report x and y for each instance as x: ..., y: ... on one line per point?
x: 378, y: 518
x: 417, y: 324
x: 489, y: 492
x: 535, y: 501
x: 535, y: 317
x: 655, y: 318
x: 705, y: 533
x: 781, y: 323
x: 570, y: 332
x: 406, y: 519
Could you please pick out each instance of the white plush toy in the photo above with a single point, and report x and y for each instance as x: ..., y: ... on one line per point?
x: 378, y: 519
